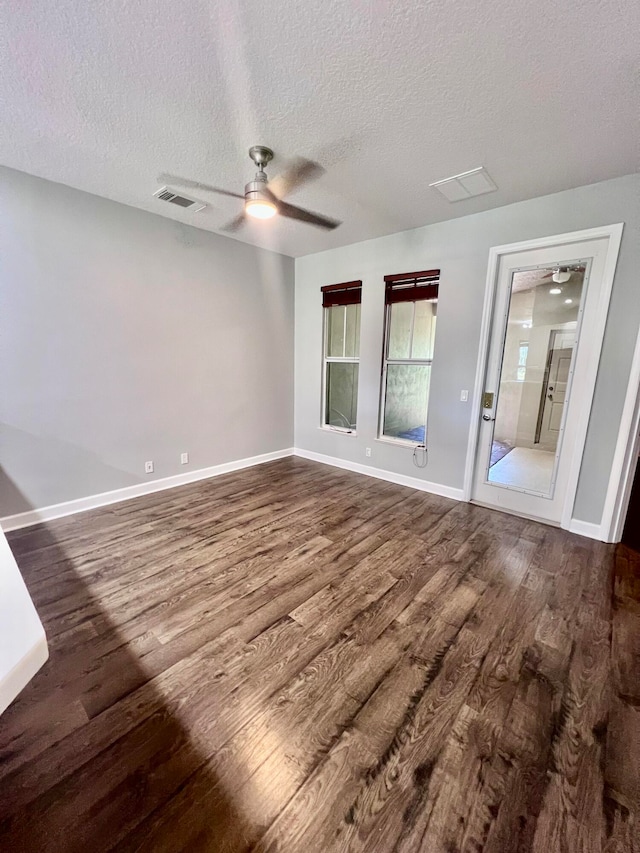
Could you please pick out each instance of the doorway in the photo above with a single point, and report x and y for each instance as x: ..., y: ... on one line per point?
x: 537, y: 379
x: 554, y: 388
x: 631, y: 529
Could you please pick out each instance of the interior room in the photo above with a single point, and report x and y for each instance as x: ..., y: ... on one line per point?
x: 319, y: 427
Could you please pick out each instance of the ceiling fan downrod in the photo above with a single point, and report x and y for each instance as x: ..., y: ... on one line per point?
x: 261, y: 156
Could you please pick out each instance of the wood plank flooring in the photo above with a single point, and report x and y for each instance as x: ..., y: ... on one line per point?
x: 296, y: 658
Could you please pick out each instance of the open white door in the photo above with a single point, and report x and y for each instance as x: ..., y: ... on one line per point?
x: 544, y: 330
x: 23, y: 645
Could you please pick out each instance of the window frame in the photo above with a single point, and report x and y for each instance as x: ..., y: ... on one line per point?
x: 406, y: 281
x: 522, y: 366
x: 339, y: 291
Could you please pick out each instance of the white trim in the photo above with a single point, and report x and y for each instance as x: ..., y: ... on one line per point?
x: 613, y: 233
x: 561, y: 239
x: 584, y: 528
x: 382, y: 474
x: 399, y: 442
x: 22, y: 673
x: 491, y: 286
x: 625, y: 457
x: 339, y: 430
x: 47, y: 513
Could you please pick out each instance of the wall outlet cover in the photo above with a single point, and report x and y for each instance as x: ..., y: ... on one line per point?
x: 184, y: 458
x: 148, y: 467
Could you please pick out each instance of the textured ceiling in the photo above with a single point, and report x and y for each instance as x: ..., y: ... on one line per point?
x: 389, y: 95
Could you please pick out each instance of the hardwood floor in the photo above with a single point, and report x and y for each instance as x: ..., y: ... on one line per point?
x: 295, y: 658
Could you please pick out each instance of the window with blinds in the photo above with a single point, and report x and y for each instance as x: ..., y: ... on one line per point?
x: 411, y: 301
x: 341, y: 361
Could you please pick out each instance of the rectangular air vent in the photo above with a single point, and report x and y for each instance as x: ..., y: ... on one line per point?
x: 465, y: 185
x: 192, y: 204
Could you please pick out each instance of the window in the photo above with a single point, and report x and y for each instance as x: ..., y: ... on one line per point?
x: 410, y: 327
x: 523, y: 352
x: 341, y: 303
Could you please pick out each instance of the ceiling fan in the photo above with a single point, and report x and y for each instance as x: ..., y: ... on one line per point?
x: 263, y: 198
x: 561, y: 275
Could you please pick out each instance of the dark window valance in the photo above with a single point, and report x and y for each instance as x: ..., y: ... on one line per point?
x: 347, y: 293
x: 411, y: 286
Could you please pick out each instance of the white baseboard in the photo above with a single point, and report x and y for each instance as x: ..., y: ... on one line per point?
x: 23, y: 672
x: 382, y: 474
x: 48, y: 513
x: 586, y: 528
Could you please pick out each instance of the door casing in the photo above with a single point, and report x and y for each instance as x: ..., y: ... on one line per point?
x: 613, y: 234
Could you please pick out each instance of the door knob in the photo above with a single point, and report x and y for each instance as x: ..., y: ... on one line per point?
x: 487, y: 418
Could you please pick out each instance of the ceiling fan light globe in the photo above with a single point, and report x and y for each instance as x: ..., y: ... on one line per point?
x: 260, y: 208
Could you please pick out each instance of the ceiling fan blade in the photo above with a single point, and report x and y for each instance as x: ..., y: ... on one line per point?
x: 236, y: 223
x: 274, y: 198
x: 299, y: 171
x: 293, y: 212
x: 176, y: 181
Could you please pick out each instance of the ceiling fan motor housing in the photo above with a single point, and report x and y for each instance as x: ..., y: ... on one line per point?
x: 255, y: 190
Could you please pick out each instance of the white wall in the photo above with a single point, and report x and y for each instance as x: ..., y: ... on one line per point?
x: 23, y: 647
x: 460, y: 249
x: 127, y: 337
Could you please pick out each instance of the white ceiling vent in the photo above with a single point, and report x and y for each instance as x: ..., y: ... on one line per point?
x: 465, y: 185
x: 166, y: 194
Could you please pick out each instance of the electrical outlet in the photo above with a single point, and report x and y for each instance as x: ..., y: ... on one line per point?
x: 184, y: 458
x: 148, y: 467
x: 464, y: 396
x: 368, y: 451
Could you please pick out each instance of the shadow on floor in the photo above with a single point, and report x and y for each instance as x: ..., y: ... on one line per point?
x: 93, y: 749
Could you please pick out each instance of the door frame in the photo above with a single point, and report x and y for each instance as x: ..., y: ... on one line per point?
x: 625, y: 458
x: 613, y: 234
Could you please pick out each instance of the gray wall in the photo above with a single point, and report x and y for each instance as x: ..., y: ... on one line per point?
x: 125, y: 336
x: 460, y: 248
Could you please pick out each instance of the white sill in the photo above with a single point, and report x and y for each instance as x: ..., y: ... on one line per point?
x: 339, y: 430
x: 398, y: 442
